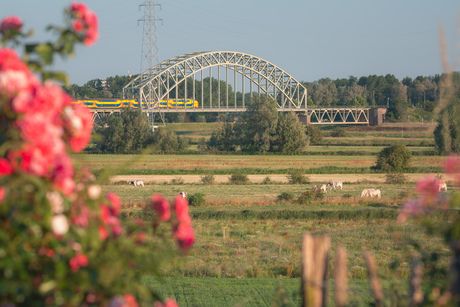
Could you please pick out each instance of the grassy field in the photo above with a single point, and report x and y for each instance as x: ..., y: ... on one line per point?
x: 248, y: 247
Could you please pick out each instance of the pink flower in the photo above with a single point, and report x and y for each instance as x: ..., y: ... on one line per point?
x: 184, y: 235
x: 5, y: 167
x: 115, y: 202
x: 80, y: 215
x: 161, y: 207
x: 10, y: 23
x: 428, y: 187
x: 79, y: 126
x: 2, y: 194
x: 105, y: 214
x: 13, y: 82
x: 103, y: 233
x: 9, y: 60
x: 85, y: 21
x: 452, y: 164
x: 181, y: 209
x: 168, y: 303
x: 130, y: 300
x: 77, y: 262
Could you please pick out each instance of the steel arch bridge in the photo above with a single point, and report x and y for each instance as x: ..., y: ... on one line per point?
x: 263, y: 77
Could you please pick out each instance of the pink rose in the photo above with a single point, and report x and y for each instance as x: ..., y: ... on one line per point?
x: 10, y: 23
x: 5, y: 167
x: 9, y: 60
x: 103, y: 233
x: 2, y: 194
x: 78, y: 261
x: 161, y: 207
x: 168, y: 303
x: 184, y: 235
x: 115, y: 202
x: 85, y: 21
x: 130, y: 300
x: 181, y: 209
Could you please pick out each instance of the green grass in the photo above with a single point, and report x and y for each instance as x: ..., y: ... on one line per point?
x: 203, y: 292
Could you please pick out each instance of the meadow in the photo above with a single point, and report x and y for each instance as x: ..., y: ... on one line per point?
x: 248, y: 247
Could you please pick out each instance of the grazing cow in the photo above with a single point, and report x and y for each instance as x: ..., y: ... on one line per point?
x: 443, y: 187
x: 371, y: 193
x: 335, y: 184
x: 321, y: 187
x: 137, y: 183
x: 183, y: 194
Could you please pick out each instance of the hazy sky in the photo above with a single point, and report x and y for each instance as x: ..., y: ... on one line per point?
x: 308, y: 39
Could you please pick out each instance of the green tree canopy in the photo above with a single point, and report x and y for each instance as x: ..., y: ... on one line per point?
x: 394, y: 158
x: 257, y: 128
x: 290, y: 134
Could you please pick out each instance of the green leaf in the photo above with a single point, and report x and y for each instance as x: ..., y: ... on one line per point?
x: 57, y: 76
x: 46, y: 53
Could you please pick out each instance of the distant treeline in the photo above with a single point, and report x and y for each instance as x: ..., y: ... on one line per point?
x: 423, y: 91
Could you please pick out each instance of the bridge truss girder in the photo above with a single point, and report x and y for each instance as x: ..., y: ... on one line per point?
x: 266, y: 77
x: 329, y: 116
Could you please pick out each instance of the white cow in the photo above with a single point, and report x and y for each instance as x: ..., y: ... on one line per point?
x: 335, y: 184
x: 321, y: 187
x: 183, y: 194
x: 371, y: 193
x: 137, y: 183
x: 443, y: 187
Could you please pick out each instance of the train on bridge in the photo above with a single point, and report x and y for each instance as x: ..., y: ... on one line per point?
x: 118, y: 104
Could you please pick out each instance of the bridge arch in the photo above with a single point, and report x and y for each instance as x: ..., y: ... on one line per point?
x: 158, y: 82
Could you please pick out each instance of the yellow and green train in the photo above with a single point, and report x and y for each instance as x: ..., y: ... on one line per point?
x: 132, y: 103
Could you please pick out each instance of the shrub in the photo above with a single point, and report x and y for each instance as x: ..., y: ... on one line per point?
x: 319, y: 194
x: 62, y: 242
x: 285, y: 196
x: 314, y: 134
x: 177, y: 180
x: 197, y: 199
x: 393, y: 158
x: 306, y: 198
x: 238, y: 179
x: 395, y: 178
x: 267, y: 180
x: 338, y: 132
x: 297, y: 177
x: 207, y: 179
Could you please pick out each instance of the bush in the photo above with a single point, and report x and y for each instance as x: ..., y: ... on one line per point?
x: 285, y: 196
x: 297, y: 177
x: 207, y: 179
x: 197, y: 199
x: 306, y: 198
x: 338, y: 132
x: 319, y: 194
x: 314, y: 134
x: 238, y: 179
x: 177, y: 180
x: 267, y: 180
x: 393, y: 158
x: 395, y: 178
x: 62, y: 240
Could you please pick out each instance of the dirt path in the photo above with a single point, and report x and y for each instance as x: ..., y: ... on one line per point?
x: 159, y: 179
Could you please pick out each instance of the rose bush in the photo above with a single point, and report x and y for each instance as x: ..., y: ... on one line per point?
x: 437, y: 211
x: 61, y: 240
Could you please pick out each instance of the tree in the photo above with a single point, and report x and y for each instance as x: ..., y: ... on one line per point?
x: 314, y: 134
x: 447, y: 132
x: 256, y: 131
x: 394, y: 158
x: 165, y: 140
x: 397, y: 109
x: 128, y: 132
x: 290, y: 134
x: 223, y: 138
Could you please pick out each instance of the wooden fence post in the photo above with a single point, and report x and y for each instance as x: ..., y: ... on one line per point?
x: 416, y: 294
x: 376, y: 286
x: 341, y: 280
x: 314, y: 269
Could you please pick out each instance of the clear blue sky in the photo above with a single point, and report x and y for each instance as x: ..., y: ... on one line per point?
x: 308, y: 39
